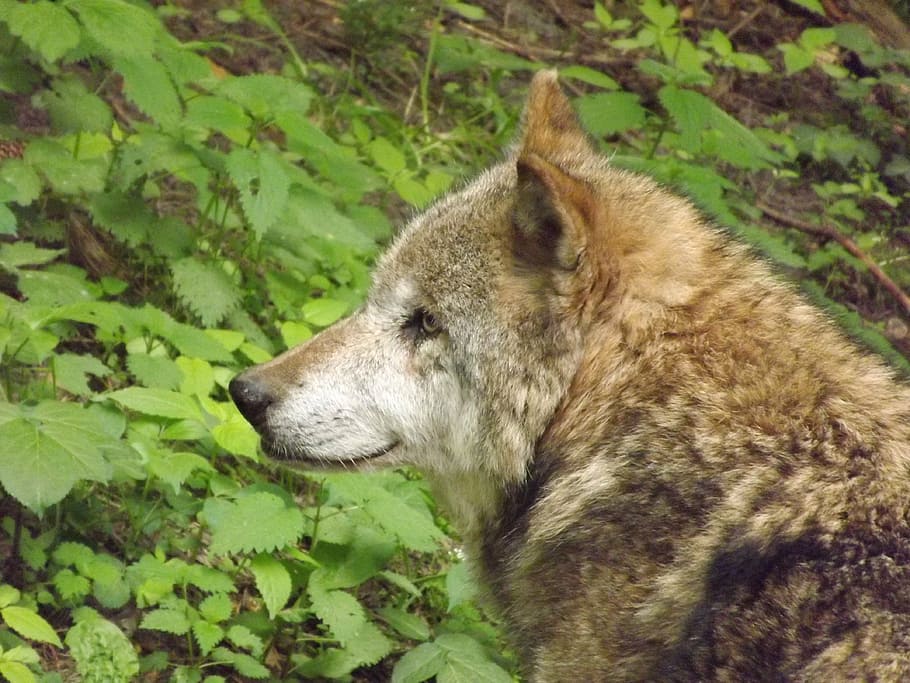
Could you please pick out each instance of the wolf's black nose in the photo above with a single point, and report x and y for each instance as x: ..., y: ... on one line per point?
x: 252, y: 398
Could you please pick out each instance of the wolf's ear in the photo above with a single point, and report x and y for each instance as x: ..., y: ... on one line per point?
x: 552, y: 216
x: 549, y: 124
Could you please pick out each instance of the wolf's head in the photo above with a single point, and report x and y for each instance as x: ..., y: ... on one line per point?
x: 477, y: 319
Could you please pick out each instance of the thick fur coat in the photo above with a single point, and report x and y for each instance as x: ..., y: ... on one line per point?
x: 665, y: 464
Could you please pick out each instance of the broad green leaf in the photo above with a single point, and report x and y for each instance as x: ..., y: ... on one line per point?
x: 101, y: 651
x: 216, y: 608
x: 265, y: 95
x: 588, y: 75
x: 466, y: 660
x: 127, y: 217
x: 48, y: 288
x: 9, y: 595
x: 460, y: 585
x: 407, y: 624
x: 7, y: 220
x: 154, y: 371
x: 211, y: 113
x: 310, y: 213
x: 811, y: 5
x: 263, y: 186
x: 157, y: 402
x: 243, y: 637
x: 73, y: 108
x: 420, y: 664
x: 796, y: 58
x: 148, y: 85
x: 235, y: 435
x: 206, y: 289
x: 198, y: 376
x: 29, y: 624
x: 45, y: 27
x: 387, y: 156
x: 460, y: 53
x: 118, y: 26
x: 272, y: 581
x: 172, y: 621
x: 21, y: 653
x: 15, y: 672
x: 175, y: 468
x: 18, y: 254
x: 293, y: 333
x: 662, y: 15
x: 243, y: 663
x: 71, y: 586
x: 367, y: 647
x: 609, y: 113
x: 65, y: 173
x: 340, y: 611
x: 323, y: 312
x: 48, y: 449
x: 256, y: 522
x: 71, y: 372
x: 21, y: 179
x: 207, y: 635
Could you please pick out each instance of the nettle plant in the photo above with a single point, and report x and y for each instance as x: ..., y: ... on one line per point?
x: 214, y: 222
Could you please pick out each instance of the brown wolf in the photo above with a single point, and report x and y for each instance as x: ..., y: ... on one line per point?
x: 666, y: 465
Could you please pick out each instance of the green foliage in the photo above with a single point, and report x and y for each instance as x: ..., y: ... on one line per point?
x: 236, y: 215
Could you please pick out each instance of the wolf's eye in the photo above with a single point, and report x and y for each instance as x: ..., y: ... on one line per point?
x: 422, y: 325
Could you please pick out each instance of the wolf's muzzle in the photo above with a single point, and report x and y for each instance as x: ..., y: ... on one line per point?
x: 252, y: 397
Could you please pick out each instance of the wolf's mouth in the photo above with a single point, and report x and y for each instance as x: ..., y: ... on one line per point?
x: 278, y: 451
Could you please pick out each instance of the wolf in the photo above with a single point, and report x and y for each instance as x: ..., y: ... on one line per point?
x: 665, y: 464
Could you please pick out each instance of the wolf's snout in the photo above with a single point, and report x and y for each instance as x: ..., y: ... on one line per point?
x: 252, y: 397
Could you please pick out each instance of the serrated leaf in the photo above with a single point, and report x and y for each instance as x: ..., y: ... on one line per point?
x: 216, y: 608
x: 460, y: 585
x: 175, y: 468
x: 73, y: 108
x: 387, y: 156
x: 45, y: 27
x: 65, y: 174
x: 257, y: 522
x: 367, y: 647
x: 7, y: 220
x: 217, y: 114
x: 9, y: 595
x: 118, y: 26
x: 311, y: 213
x: 101, y: 651
x: 272, y: 581
x: 74, y: 555
x: 127, y: 217
x: 243, y: 663
x: 167, y: 620
x: 338, y: 610
x: 243, y: 637
x: 467, y: 660
x: 263, y: 186
x: 205, y: 289
x: 158, y: 372
x: 610, y: 112
x: 265, y: 95
x: 71, y: 586
x: 420, y: 664
x: 29, y: 624
x: 208, y: 579
x: 157, y: 402
x: 24, y: 183
x: 235, y: 435
x: 207, y: 635
x: 148, y: 85
x: 71, y: 372
x: 47, y: 449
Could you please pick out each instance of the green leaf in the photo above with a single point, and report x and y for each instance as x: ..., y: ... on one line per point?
x: 310, y: 213
x: 323, y: 312
x: 127, y: 217
x: 15, y: 672
x: 149, y: 86
x: 157, y: 402
x: 609, y: 113
x: 235, y: 435
x: 206, y: 289
x: 243, y: 663
x: 73, y: 108
x: 467, y: 660
x: 45, y: 27
x: 216, y: 608
x: 71, y: 586
x: 811, y: 5
x: 263, y: 186
x: 217, y: 114
x: 588, y: 75
x: 409, y: 625
x: 154, y: 371
x: 663, y: 16
x: 367, y: 647
x: 9, y: 595
x: 460, y: 585
x: 272, y: 581
x: 65, y: 173
x: 71, y: 372
x: 796, y: 58
x: 207, y: 635
x: 175, y: 468
x: 340, y: 611
x: 118, y: 26
x: 256, y: 522
x: 265, y: 95
x: 47, y: 449
x: 420, y: 664
x: 172, y: 621
x: 241, y: 636
x: 387, y: 156
x: 19, y: 254
x: 29, y: 624
x: 102, y: 652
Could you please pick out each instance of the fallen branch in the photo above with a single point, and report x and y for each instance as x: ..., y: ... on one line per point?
x: 852, y: 247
